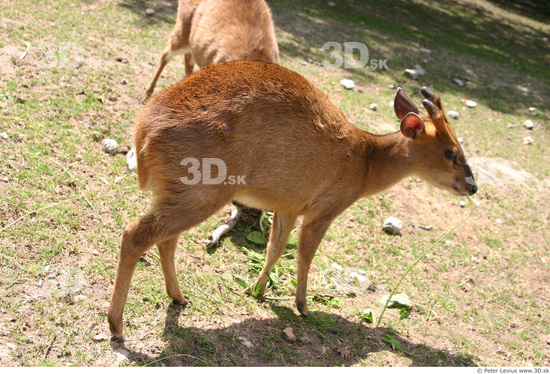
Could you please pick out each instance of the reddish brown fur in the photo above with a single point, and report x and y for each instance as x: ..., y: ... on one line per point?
x: 297, y: 151
x: 213, y: 31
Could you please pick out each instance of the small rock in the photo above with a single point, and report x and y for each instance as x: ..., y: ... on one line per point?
x: 288, y: 334
x: 391, y: 86
x: 4, y: 136
x: 100, y: 338
x: 149, y: 11
x: 337, y: 267
x: 246, y: 342
x: 331, y: 3
x: 80, y: 297
x: 427, y: 228
x: 528, y: 124
x: 532, y: 109
x: 419, y: 69
x: 392, y: 226
x: 460, y: 140
x: 411, y: 73
x: 425, y: 50
x: 348, y: 84
x: 471, y: 104
x: 5, y: 179
x: 499, y: 221
x: 453, y: 114
x: 358, y: 278
x: 109, y: 146
x: 462, y: 204
x: 131, y: 160
x: 374, y: 107
x: 124, y: 81
x: 528, y: 140
x: 458, y: 82
x: 424, y: 60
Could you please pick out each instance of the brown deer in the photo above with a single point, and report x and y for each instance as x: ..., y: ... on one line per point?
x: 295, y: 150
x: 213, y: 31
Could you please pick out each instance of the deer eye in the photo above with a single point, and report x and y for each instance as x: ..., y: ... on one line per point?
x: 450, y: 155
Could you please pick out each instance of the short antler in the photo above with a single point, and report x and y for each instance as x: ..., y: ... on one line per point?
x: 431, y: 108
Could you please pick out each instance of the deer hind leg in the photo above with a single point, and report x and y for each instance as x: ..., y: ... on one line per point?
x: 162, y: 226
x: 189, y: 64
x: 167, y: 250
x: 280, y: 231
x: 311, y: 235
x: 175, y: 46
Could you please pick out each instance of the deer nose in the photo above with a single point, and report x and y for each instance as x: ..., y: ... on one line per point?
x: 473, y: 189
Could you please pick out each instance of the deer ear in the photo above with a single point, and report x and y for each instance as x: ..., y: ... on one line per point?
x: 412, y: 125
x: 403, y: 105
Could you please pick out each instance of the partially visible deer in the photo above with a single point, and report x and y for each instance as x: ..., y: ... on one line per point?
x: 213, y: 31
x: 295, y: 149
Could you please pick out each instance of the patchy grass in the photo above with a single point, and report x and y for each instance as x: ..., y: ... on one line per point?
x: 479, y: 299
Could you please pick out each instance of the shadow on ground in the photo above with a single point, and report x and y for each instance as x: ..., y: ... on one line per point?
x: 323, y: 339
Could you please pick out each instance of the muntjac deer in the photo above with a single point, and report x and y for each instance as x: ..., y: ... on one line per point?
x: 296, y: 154
x: 213, y: 31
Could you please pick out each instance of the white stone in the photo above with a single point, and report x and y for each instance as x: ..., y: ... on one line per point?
x: 4, y: 136
x: 425, y: 50
x: 392, y: 226
x: 528, y: 124
x: 348, y: 84
x: 149, y: 11
x: 471, y: 104
x: 331, y: 3
x: 460, y: 140
x: 245, y: 342
x: 358, y: 278
x: 458, y: 82
x: 337, y: 267
x: 109, y: 146
x: 411, y: 73
x: 453, y: 114
x: 528, y: 140
x: 419, y: 69
x: 374, y: 107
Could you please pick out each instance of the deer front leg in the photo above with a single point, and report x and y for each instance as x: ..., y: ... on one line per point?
x: 280, y: 231
x: 311, y: 235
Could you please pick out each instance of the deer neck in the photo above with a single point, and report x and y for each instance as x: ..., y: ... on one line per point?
x: 388, y: 161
